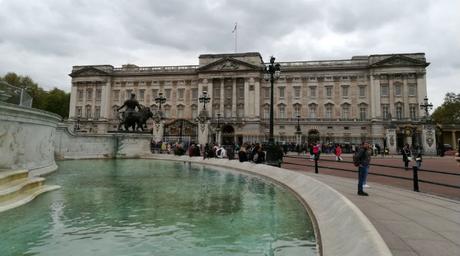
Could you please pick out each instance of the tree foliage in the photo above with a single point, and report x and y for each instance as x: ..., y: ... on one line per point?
x: 449, y: 111
x: 55, y: 101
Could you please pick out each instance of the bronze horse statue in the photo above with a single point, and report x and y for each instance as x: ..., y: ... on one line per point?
x: 135, y: 120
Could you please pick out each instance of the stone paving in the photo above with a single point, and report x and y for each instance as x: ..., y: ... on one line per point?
x: 411, y: 223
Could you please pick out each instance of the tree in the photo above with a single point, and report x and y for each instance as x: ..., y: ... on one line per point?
x: 55, y: 101
x: 449, y: 111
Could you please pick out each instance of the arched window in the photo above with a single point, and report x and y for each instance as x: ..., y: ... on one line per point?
x: 180, y: 111
x: 312, y: 110
x: 399, y: 111
x: 266, y: 111
x: 345, y: 111
x: 362, y: 112
x: 282, y: 111
x: 297, y: 108
x: 88, y: 111
x: 328, y: 113
x: 167, y: 111
x: 194, y: 111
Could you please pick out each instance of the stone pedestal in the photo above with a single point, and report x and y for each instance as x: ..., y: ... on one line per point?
x: 391, y: 141
x: 158, y: 127
x: 203, y: 127
x: 429, y: 140
x: 298, y: 138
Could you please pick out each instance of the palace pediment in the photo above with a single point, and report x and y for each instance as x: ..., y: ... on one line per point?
x: 88, y: 71
x: 228, y: 64
x: 399, y: 61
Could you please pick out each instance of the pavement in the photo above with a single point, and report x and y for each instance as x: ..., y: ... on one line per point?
x: 411, y: 223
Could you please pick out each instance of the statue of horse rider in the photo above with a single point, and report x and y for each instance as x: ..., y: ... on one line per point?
x: 129, y: 115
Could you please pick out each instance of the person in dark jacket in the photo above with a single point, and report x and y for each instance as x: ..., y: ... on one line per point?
x: 406, y: 155
x: 364, y: 160
x: 242, y: 155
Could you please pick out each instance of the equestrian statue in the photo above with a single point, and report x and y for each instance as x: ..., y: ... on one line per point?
x: 132, y: 118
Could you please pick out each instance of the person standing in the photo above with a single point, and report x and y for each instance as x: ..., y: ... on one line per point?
x: 364, y: 160
x: 338, y: 153
x: 406, y: 156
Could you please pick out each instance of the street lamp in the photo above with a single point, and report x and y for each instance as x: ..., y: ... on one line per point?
x: 204, y: 99
x: 272, y: 72
x: 160, y: 100
x: 426, y: 106
x: 274, y: 153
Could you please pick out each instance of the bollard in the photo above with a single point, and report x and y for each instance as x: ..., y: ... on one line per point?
x: 415, y: 172
x: 316, y: 164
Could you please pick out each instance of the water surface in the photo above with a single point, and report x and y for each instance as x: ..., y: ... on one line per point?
x: 151, y: 207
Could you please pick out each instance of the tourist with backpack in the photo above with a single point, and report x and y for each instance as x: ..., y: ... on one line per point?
x: 362, y: 159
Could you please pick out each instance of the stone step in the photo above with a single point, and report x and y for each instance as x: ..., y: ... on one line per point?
x: 19, y: 186
x: 26, y: 197
x: 7, y: 176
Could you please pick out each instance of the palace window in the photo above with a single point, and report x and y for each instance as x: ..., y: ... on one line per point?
x: 413, y: 111
x: 329, y: 91
x: 228, y: 92
x: 80, y: 95
x: 384, y: 90
x: 282, y: 111
x: 181, y: 93
x: 297, y: 92
x: 194, y: 111
x: 168, y: 94
x: 412, y: 90
x: 89, y: 94
x: 240, y: 111
x: 281, y: 92
x: 128, y: 94
x: 346, y: 111
x: 240, y: 92
x: 266, y: 112
x: 398, y: 89
x: 385, y: 111
x: 97, y: 112
x: 215, y: 109
x: 228, y: 111
x: 154, y: 93
x: 267, y: 92
x: 362, y: 112
x: 312, y: 91
x: 216, y: 93
x: 195, y: 94
x: 399, y: 111
x: 296, y: 110
x: 167, y: 111
x: 312, y: 111
x: 141, y: 95
x: 180, y: 111
x: 98, y: 94
x: 88, y: 111
x: 362, y: 91
x: 329, y: 108
x: 345, y: 91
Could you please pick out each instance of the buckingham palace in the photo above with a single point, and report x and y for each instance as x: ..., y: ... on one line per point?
x: 371, y: 97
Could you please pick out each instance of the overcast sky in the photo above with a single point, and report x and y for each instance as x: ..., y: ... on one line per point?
x: 44, y: 39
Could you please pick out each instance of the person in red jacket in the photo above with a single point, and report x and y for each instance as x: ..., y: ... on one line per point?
x: 338, y: 153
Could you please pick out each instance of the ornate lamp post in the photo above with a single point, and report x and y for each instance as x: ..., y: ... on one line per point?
x: 272, y: 72
x: 160, y: 100
x: 298, y: 124
x: 204, y: 99
x: 426, y: 106
x: 274, y: 153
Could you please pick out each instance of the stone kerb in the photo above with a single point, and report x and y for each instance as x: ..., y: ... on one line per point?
x: 341, y: 228
x: 26, y: 138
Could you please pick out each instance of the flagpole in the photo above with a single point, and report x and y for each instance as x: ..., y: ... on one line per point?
x: 236, y: 36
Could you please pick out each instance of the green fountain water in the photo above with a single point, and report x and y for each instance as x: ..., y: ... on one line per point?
x: 147, y: 207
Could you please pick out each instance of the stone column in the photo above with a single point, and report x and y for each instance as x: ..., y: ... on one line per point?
x: 247, y: 111
x: 222, y: 97
x: 375, y: 97
x: 391, y: 141
x: 73, y: 101
x: 421, y: 90
x: 428, y: 140
x: 257, y: 97
x: 105, y: 99
x: 234, y: 98
x: 219, y: 137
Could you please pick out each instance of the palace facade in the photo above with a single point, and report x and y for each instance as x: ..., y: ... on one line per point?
x: 343, y: 101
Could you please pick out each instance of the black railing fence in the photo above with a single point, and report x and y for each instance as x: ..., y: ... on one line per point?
x: 415, y: 171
